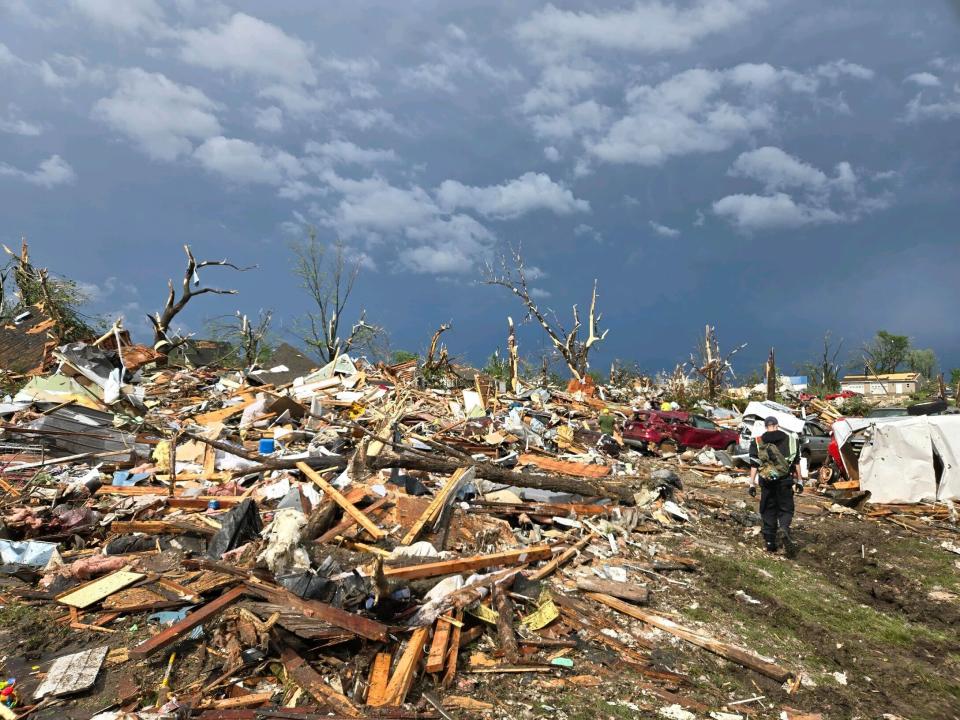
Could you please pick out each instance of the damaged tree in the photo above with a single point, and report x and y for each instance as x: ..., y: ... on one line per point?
x: 58, y: 297
x: 513, y: 357
x: 711, y: 365
x: 329, y: 283
x: 163, y: 341
x: 574, y: 351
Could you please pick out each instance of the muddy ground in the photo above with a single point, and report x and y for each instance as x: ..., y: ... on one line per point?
x: 868, y: 613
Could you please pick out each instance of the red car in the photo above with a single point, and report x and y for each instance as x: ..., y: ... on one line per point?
x: 666, y: 430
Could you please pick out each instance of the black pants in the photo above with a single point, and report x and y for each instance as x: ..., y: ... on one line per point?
x: 776, y: 507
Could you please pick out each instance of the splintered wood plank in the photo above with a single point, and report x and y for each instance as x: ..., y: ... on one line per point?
x: 340, y: 500
x: 547, y: 569
x: 454, y: 482
x: 739, y: 655
x: 565, y: 468
x: 357, y: 624
x: 453, y: 651
x: 72, y: 673
x: 91, y: 592
x: 177, y: 630
x: 624, y: 591
x: 379, y: 677
x: 406, y: 670
x: 476, y: 562
x: 438, y: 648
x: 311, y: 681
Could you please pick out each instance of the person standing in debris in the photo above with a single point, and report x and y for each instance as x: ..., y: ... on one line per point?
x: 607, y: 422
x: 774, y: 468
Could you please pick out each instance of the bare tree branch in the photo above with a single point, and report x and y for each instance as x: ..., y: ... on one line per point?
x: 162, y: 339
x: 574, y: 352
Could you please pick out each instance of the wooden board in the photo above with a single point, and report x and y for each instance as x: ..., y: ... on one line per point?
x: 379, y: 677
x: 739, y: 655
x: 348, y: 507
x: 477, y: 562
x: 624, y: 591
x: 311, y: 681
x: 454, y: 482
x: 565, y: 468
x: 406, y: 670
x: 438, y: 648
x: 98, y: 589
x: 197, y: 617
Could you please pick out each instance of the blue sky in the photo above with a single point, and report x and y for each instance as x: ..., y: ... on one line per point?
x: 774, y: 168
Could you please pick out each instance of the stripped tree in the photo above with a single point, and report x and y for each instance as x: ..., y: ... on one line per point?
x: 710, y: 364
x: 163, y: 340
x: 574, y: 351
x: 328, y: 279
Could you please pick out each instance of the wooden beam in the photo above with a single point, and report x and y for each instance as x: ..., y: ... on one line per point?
x: 476, y: 562
x: 357, y: 624
x: 505, y: 633
x: 453, y: 652
x: 379, y: 677
x: 197, y: 617
x: 406, y: 670
x: 438, y: 648
x: 633, y: 593
x: 730, y: 652
x: 349, y: 521
x: 563, y: 557
x: 460, y: 476
x: 340, y: 500
x: 311, y: 681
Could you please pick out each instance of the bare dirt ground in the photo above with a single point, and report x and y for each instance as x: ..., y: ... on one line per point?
x: 868, y: 614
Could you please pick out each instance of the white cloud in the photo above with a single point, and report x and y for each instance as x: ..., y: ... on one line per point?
x: 570, y: 121
x: 129, y: 16
x: 447, y: 246
x: 345, y: 152
x: 777, y: 170
x: 373, y: 204
x: 664, y: 230
x: 558, y: 85
x: 836, y: 69
x: 529, y: 192
x: 49, y: 173
x: 649, y: 26
x: 765, y: 212
x: 588, y: 231
x: 538, y: 293
x: 15, y: 125
x: 456, y: 32
x: 923, y: 79
x: 300, y: 101
x: 269, y: 119
x: 551, y: 153
x: 946, y: 107
x: 448, y: 65
x: 817, y: 197
x: 367, y: 119
x: 250, y: 46
x: 157, y: 114
x: 245, y: 162
x: 57, y: 71
x: 697, y: 111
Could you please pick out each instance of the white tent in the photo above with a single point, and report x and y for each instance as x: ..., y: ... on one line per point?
x: 898, y: 461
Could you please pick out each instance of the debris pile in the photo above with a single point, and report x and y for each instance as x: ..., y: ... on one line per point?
x: 349, y: 543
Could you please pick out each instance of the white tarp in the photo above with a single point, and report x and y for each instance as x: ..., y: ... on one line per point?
x: 897, y: 465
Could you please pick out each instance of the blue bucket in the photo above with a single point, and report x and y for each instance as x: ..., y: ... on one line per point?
x: 267, y: 446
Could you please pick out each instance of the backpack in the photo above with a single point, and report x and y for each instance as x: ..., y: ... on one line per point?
x: 773, y: 464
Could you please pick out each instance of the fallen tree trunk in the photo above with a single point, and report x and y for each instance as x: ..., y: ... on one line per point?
x: 488, y: 471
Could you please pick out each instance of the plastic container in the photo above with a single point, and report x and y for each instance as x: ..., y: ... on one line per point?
x: 267, y: 446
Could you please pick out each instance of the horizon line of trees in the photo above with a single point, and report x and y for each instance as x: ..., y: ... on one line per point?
x: 327, y: 274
